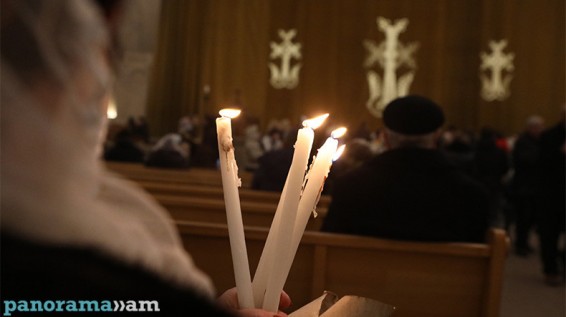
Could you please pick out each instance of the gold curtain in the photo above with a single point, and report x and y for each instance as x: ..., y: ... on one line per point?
x: 215, y: 44
x: 225, y: 45
x: 174, y: 88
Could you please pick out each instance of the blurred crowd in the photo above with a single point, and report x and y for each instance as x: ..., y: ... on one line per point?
x: 509, y: 166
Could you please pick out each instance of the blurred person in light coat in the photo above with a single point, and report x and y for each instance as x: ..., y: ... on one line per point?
x: 70, y: 229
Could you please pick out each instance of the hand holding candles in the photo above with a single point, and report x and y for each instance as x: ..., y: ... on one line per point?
x: 230, y: 184
x: 311, y: 193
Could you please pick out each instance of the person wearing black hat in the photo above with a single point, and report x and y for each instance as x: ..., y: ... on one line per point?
x: 410, y: 192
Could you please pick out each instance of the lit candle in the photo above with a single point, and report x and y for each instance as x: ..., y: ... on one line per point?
x: 276, y: 247
x: 265, y: 264
x: 230, y: 184
x: 311, y: 194
x: 111, y: 111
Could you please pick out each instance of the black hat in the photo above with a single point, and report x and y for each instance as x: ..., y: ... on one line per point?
x: 413, y: 115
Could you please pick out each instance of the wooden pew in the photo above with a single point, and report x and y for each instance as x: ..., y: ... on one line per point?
x: 203, y: 200
x: 419, y: 279
x: 203, y: 183
x: 216, y: 192
x: 213, y: 210
x: 196, y: 176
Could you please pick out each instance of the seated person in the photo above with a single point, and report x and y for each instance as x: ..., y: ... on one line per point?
x: 169, y: 152
x: 274, y: 166
x: 357, y: 152
x: 124, y: 149
x: 410, y: 192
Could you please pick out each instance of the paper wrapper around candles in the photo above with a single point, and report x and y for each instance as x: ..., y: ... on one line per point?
x: 318, y: 306
x: 328, y: 305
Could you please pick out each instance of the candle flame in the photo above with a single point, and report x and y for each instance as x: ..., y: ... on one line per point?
x: 339, y: 132
x: 230, y: 113
x: 338, y: 152
x: 111, y: 111
x: 315, y: 122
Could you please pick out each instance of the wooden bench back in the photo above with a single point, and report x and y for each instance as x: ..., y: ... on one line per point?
x: 197, y: 195
x: 216, y: 192
x: 213, y: 210
x: 420, y: 279
x: 196, y: 176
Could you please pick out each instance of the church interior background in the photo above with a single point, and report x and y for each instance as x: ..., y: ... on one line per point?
x: 487, y: 63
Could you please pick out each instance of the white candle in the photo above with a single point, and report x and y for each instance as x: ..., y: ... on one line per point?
x: 265, y: 264
x: 270, y: 270
x: 316, y: 176
x: 230, y: 184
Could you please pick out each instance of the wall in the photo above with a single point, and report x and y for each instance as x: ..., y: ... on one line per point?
x: 224, y: 44
x: 138, y: 40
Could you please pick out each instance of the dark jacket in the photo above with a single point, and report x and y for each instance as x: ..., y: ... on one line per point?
x: 409, y: 194
x: 273, y: 169
x: 525, y: 157
x: 552, y: 184
x: 33, y: 271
